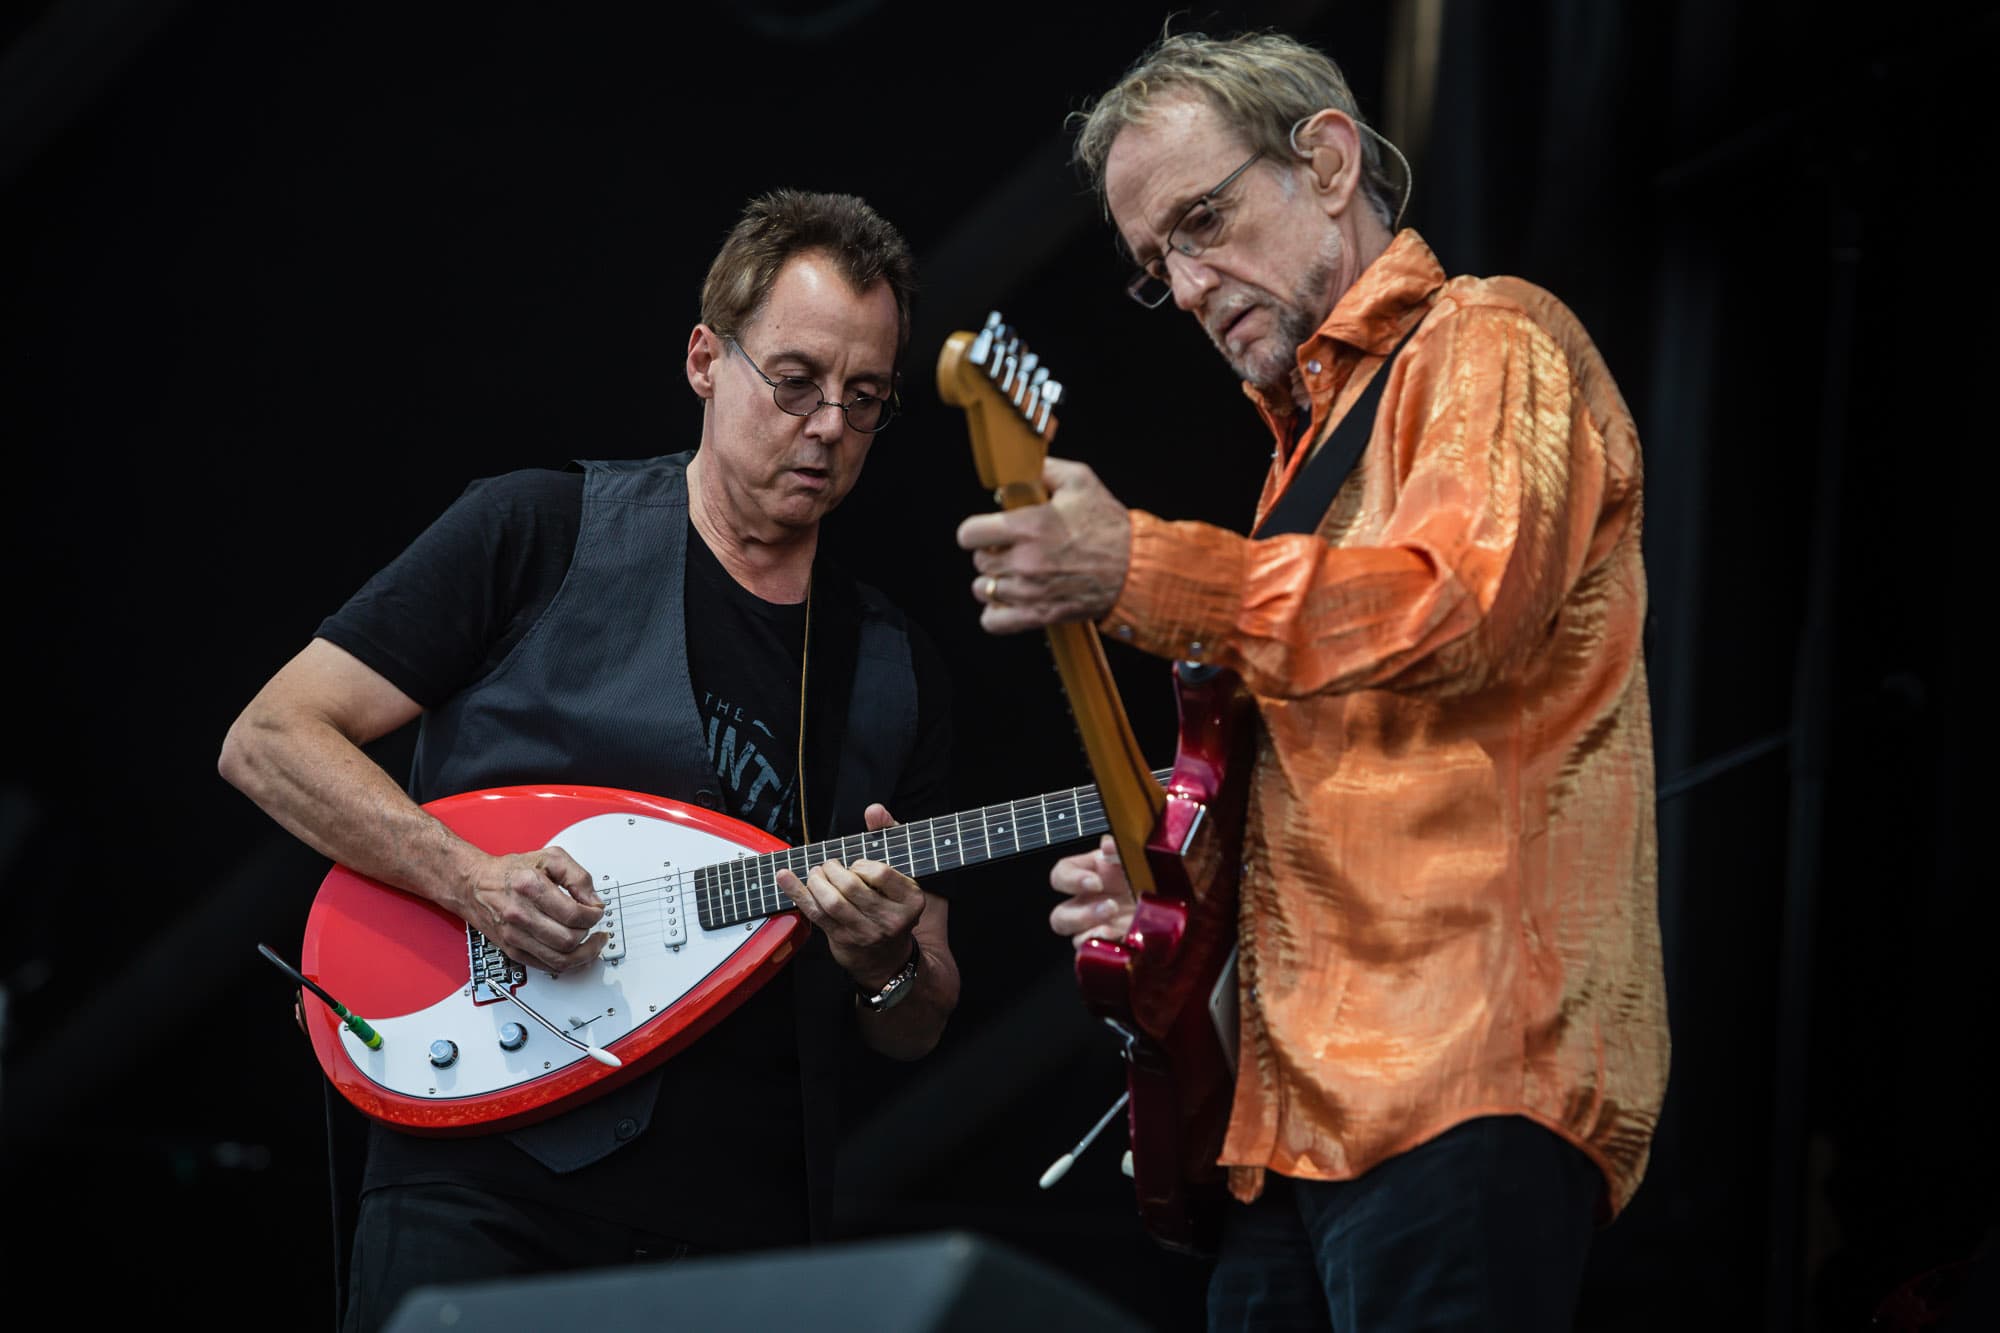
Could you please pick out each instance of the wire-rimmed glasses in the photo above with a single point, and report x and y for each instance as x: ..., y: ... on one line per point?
x: 1200, y: 226
x: 802, y: 397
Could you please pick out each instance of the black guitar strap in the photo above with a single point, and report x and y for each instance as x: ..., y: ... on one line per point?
x: 1311, y: 493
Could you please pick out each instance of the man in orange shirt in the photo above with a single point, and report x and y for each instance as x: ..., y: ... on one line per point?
x: 1453, y: 1024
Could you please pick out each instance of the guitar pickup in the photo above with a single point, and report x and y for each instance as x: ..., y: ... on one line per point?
x: 610, y: 925
x: 673, y: 920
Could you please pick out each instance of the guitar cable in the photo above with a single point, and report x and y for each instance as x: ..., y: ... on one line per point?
x: 358, y: 1025
x: 373, y: 1039
x: 333, y: 1190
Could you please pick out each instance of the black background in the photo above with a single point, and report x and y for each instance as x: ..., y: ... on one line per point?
x: 278, y: 281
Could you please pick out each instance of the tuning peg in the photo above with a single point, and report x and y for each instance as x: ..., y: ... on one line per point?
x: 1029, y: 362
x: 1051, y: 394
x: 1029, y: 401
x: 992, y: 335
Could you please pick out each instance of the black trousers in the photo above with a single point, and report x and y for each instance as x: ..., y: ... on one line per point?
x: 1485, y: 1227
x: 410, y: 1236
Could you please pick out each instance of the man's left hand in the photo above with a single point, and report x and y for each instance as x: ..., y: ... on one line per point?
x: 1043, y: 564
x: 866, y: 908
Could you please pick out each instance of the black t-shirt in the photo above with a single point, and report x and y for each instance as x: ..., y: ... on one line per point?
x: 723, y: 1164
x: 746, y: 661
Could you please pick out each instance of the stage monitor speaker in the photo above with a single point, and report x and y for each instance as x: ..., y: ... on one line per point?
x: 949, y: 1282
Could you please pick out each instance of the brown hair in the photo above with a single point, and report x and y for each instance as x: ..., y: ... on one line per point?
x: 1261, y: 83
x: 776, y: 226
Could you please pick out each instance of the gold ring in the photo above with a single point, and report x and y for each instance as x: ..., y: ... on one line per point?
x: 993, y: 589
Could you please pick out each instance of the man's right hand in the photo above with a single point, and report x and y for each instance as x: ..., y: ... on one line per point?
x: 1098, y: 903
x: 538, y: 907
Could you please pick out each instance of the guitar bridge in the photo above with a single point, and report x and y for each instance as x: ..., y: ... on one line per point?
x: 494, y: 974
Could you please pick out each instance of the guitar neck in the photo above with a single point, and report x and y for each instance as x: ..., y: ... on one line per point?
x: 731, y: 892
x: 1131, y: 795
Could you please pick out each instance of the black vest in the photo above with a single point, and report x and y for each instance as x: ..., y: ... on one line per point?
x: 597, y: 692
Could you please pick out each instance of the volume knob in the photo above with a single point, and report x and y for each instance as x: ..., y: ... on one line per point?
x: 513, y: 1036
x: 444, y: 1052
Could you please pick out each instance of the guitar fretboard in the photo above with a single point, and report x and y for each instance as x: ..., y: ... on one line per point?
x: 729, y: 893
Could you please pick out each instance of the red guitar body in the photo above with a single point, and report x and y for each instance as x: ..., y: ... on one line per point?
x: 404, y: 965
x: 1169, y: 986
x: 472, y: 1042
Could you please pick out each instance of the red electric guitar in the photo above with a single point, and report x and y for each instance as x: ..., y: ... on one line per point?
x: 472, y: 1041
x: 1169, y: 986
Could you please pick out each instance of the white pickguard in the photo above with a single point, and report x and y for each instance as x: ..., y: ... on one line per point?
x: 642, y: 869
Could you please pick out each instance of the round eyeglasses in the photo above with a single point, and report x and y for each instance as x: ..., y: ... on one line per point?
x: 1200, y: 226
x: 801, y: 398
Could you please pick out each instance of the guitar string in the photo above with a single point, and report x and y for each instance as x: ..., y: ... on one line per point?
x: 731, y: 887
x: 642, y: 903
x: 905, y: 837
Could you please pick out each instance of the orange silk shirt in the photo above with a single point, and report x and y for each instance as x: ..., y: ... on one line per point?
x: 1448, y: 898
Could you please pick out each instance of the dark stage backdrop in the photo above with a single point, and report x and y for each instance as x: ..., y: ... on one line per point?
x: 277, y: 283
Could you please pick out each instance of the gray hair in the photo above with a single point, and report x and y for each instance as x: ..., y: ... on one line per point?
x: 1262, y: 84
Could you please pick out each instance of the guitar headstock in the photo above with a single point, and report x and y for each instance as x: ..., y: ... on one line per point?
x: 1009, y: 400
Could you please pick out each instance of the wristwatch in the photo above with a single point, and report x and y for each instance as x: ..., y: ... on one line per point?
x: 898, y: 986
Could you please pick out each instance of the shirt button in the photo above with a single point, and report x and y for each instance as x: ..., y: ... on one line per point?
x: 626, y: 1128
x: 707, y: 796
x: 1313, y: 366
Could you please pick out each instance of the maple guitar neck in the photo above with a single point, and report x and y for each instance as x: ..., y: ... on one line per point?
x: 1009, y: 400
